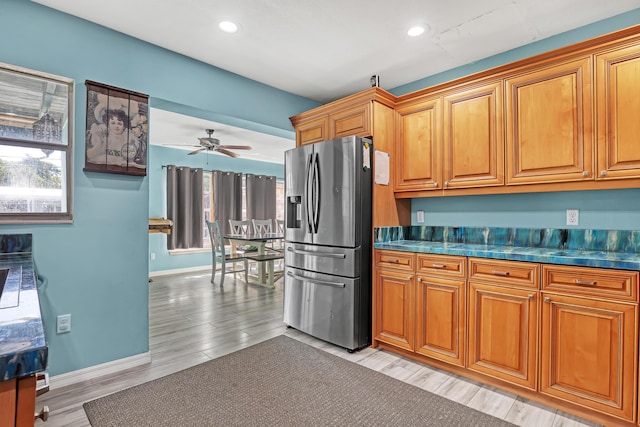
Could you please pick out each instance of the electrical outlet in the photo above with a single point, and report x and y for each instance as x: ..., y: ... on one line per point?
x: 420, y: 217
x: 153, y: 256
x: 573, y: 216
x: 63, y: 323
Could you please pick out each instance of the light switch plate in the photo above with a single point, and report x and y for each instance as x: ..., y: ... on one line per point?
x: 573, y: 217
x: 63, y: 323
x: 420, y: 217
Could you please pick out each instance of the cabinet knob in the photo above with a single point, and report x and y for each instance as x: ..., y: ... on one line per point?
x: 435, y: 184
x: 603, y: 173
x: 43, y: 414
x: 530, y: 296
x: 547, y: 299
x: 446, y: 183
x: 585, y: 173
x: 419, y: 279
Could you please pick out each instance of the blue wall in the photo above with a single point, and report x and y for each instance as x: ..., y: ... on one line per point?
x: 159, y: 156
x: 97, y: 268
x: 605, y: 209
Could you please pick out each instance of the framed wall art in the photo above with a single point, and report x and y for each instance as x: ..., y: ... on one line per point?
x: 117, y: 130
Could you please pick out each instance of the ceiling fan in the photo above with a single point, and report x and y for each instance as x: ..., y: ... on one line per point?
x: 213, y: 144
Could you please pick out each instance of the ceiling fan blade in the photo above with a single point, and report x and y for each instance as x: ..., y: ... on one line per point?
x: 196, y: 151
x: 235, y: 147
x: 227, y: 152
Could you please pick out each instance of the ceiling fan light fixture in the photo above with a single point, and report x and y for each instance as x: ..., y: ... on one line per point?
x: 228, y: 27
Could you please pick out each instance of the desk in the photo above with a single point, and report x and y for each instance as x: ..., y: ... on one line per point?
x: 259, y: 241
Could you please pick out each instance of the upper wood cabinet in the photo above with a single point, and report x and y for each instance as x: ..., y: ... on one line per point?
x: 418, y: 146
x: 314, y: 130
x: 473, y: 147
x: 617, y: 107
x: 549, y: 131
x: 369, y: 113
x: 355, y: 120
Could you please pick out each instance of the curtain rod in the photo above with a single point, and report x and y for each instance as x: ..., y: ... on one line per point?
x: 204, y: 170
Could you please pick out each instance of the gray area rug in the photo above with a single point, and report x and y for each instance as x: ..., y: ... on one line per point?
x: 280, y: 382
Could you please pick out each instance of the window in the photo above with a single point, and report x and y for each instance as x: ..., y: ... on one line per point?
x: 35, y: 146
x: 207, y: 203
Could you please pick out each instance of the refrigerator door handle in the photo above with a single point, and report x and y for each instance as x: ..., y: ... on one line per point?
x: 316, y: 193
x: 308, y: 195
x: 316, y: 281
x: 298, y: 251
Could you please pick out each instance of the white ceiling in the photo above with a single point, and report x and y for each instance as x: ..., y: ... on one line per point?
x: 326, y: 49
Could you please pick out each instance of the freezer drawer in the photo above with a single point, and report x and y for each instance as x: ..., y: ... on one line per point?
x: 344, y: 262
x: 327, y: 307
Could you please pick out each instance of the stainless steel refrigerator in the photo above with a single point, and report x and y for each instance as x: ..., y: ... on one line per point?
x: 327, y: 282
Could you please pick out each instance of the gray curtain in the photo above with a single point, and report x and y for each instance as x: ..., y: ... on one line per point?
x: 261, y: 197
x: 184, y: 207
x: 227, y: 198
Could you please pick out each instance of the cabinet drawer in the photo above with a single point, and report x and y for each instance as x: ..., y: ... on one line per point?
x: 599, y: 282
x: 451, y: 266
x: 515, y: 273
x: 395, y: 260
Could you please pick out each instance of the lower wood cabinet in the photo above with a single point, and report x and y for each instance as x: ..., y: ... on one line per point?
x: 440, y: 308
x: 588, y: 353
x: 394, y: 307
x: 18, y: 401
x: 503, y: 333
x: 566, y: 336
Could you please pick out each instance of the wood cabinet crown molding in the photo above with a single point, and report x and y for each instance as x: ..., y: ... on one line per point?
x: 373, y: 94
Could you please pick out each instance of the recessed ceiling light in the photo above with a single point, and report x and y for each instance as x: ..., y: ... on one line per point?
x: 415, y: 31
x: 228, y: 26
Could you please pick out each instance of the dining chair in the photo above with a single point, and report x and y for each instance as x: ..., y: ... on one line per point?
x: 262, y: 226
x: 240, y: 226
x: 220, y: 255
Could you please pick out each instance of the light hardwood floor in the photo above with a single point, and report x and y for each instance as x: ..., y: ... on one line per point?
x: 192, y: 321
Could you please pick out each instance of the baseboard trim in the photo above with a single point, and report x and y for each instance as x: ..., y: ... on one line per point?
x: 153, y: 274
x: 96, y: 371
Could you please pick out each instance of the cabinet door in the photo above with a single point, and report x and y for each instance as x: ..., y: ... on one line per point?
x: 418, y: 152
x: 394, y: 308
x: 549, y: 124
x: 440, y: 318
x: 617, y: 106
x: 502, y: 333
x: 314, y: 130
x: 351, y: 121
x: 473, y: 137
x: 589, y: 353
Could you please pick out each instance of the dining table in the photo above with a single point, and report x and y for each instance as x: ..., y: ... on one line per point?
x: 262, y: 257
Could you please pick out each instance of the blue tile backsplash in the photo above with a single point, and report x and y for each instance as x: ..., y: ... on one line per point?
x: 551, y: 238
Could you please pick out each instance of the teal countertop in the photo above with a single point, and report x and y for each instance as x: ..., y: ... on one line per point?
x: 616, y: 260
x: 617, y: 249
x: 23, y: 345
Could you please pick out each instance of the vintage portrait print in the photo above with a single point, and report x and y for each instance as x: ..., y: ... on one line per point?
x: 117, y: 130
